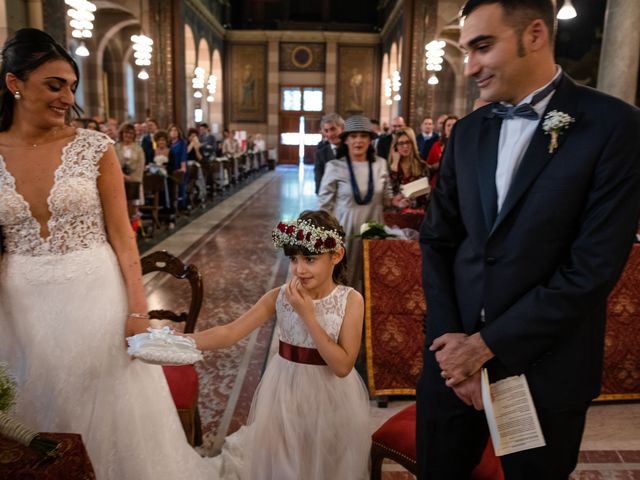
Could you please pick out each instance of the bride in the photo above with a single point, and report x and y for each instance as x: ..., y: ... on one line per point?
x: 70, y: 278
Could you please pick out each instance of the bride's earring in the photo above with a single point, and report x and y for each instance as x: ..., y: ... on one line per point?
x: 17, y: 95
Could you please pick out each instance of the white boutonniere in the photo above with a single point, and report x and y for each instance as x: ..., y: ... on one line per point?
x: 554, y: 124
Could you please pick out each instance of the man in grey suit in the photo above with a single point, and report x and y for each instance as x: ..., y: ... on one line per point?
x: 332, y: 126
x: 527, y: 233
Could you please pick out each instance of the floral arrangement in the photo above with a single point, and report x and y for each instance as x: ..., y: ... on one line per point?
x: 13, y: 429
x: 554, y: 124
x: 372, y: 229
x: 7, y: 389
x: 303, y: 233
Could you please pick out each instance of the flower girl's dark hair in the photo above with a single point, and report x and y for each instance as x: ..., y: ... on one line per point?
x: 23, y: 53
x: 324, y: 220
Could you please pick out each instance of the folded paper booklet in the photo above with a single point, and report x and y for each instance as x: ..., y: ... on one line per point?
x: 511, y: 415
x: 416, y: 188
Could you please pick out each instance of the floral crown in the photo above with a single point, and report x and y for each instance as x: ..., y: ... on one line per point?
x: 303, y: 233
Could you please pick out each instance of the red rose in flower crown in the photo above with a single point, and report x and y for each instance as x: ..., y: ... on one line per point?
x: 291, y: 229
x: 282, y: 227
x: 330, y: 243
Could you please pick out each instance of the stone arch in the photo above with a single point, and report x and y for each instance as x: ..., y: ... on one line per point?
x: 385, y: 110
x: 216, y: 112
x: 190, y: 65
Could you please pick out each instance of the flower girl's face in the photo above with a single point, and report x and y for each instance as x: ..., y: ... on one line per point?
x: 314, y: 271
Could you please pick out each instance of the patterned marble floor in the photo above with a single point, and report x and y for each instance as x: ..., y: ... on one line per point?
x: 231, y: 246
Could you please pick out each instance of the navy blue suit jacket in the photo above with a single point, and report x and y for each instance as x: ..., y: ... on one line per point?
x: 425, y: 145
x: 543, y: 269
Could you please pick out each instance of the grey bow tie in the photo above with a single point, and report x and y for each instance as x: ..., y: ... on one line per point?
x: 520, y: 111
x: 525, y: 110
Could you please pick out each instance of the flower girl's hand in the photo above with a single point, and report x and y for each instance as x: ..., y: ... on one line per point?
x: 299, y: 299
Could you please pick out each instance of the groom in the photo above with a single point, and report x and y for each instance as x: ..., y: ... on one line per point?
x: 526, y: 234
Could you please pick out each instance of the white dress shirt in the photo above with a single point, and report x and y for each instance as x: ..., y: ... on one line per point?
x: 515, y: 137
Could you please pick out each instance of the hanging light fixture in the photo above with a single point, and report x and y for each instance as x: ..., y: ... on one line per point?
x: 434, y: 53
x: 212, y: 85
x: 197, y: 82
x: 81, y: 21
x: 395, y: 85
x: 567, y: 12
x: 82, y: 50
x: 387, y: 91
x: 142, y: 49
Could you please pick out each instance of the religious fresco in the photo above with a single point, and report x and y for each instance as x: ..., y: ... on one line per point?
x: 247, y: 85
x: 356, y: 83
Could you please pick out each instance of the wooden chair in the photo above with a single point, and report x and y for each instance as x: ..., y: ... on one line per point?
x: 396, y: 440
x: 176, y: 180
x: 183, y: 380
x: 153, y: 186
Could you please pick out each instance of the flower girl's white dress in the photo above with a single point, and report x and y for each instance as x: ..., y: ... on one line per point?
x: 305, y: 422
x: 62, y: 313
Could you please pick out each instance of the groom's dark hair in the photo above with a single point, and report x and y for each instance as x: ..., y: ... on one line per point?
x: 520, y: 13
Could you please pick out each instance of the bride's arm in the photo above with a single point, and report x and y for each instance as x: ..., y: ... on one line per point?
x: 122, y: 237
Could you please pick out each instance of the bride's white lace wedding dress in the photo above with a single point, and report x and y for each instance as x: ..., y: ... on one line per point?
x: 62, y: 314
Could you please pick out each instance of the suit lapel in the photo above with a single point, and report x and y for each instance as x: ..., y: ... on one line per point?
x: 537, y: 155
x: 486, y: 167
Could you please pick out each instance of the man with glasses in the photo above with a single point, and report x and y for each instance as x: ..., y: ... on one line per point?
x: 384, y: 143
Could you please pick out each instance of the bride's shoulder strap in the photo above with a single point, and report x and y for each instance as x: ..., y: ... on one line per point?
x: 86, y: 150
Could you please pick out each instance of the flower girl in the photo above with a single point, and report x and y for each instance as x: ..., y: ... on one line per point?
x: 309, y: 417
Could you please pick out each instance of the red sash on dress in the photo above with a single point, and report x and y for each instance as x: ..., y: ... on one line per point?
x: 308, y: 356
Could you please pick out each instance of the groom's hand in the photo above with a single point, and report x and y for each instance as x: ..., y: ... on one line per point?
x: 460, y: 356
x: 470, y: 391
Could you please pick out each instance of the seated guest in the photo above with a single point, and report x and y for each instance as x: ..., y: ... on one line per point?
x: 427, y: 137
x: 259, y: 145
x: 147, y: 142
x: 405, y: 164
x: 437, y: 151
x: 193, y: 148
x: 231, y: 146
x: 92, y: 125
x: 207, y: 141
x: 131, y: 159
x: 384, y: 142
x: 162, y: 154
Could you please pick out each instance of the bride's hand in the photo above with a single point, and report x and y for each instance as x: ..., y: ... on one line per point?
x: 135, y: 325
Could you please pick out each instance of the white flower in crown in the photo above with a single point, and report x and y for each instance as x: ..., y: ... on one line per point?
x: 554, y: 124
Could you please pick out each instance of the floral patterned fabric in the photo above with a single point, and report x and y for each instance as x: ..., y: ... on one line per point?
x: 621, y: 378
x: 394, y: 311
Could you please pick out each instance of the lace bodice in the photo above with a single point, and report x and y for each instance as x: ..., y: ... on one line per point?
x: 329, y: 313
x: 76, y: 221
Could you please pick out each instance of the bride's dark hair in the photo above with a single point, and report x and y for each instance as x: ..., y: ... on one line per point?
x: 27, y: 50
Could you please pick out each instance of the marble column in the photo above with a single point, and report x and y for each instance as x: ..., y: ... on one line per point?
x: 618, y: 71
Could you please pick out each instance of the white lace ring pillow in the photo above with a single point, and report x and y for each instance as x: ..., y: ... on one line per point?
x: 161, y: 347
